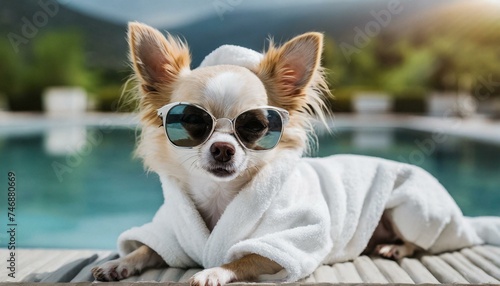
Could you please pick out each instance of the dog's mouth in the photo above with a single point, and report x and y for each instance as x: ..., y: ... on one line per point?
x: 222, y: 172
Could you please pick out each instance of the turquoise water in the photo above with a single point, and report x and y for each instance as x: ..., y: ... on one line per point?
x: 81, y: 199
x: 84, y: 194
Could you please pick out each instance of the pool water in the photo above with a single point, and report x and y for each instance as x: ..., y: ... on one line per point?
x: 81, y: 188
x: 81, y: 198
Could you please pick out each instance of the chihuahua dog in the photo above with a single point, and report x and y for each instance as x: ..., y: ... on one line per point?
x: 289, y: 82
x: 224, y: 124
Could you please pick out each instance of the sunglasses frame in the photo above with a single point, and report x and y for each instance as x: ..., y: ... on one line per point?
x: 163, y: 111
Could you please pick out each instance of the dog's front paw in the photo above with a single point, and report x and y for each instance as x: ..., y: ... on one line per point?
x: 217, y: 276
x: 395, y: 251
x: 113, y: 271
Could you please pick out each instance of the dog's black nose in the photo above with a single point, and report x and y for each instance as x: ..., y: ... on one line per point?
x: 222, y: 152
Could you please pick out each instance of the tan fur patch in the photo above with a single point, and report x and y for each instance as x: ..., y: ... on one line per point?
x: 157, y: 62
x: 295, y: 81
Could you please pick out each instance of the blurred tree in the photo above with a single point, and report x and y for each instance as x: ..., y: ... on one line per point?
x: 449, y: 50
x: 57, y: 58
x: 461, y: 61
x: 403, y: 66
x: 330, y: 61
x: 411, y: 75
x: 359, y: 70
x: 464, y: 38
x: 335, y: 63
x: 10, y: 68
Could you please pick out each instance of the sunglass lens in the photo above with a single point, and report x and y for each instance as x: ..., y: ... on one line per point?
x: 259, y: 129
x: 187, y: 125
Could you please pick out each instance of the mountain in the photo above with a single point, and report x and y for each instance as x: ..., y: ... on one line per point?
x: 251, y: 28
x: 105, y: 42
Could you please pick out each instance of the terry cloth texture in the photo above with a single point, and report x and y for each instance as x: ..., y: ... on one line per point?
x: 302, y: 213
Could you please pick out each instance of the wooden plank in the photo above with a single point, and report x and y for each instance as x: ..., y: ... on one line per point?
x: 484, y: 252
x: 38, y: 270
x: 134, y: 278
x: 392, y: 271
x: 309, y: 279
x: 69, y: 270
x: 417, y: 271
x: 493, y: 249
x: 325, y: 274
x: 481, y: 262
x: 476, y: 265
x: 470, y: 271
x: 347, y: 273
x: 172, y: 275
x: 150, y: 275
x: 35, y: 270
x: 270, y: 278
x: 188, y: 274
x: 442, y: 271
x: 35, y: 256
x: 69, y: 256
x: 368, y: 270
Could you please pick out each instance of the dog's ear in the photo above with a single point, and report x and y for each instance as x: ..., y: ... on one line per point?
x: 287, y: 71
x: 157, y: 60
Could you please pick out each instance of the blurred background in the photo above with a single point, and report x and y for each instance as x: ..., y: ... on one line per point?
x: 414, y: 81
x: 409, y: 51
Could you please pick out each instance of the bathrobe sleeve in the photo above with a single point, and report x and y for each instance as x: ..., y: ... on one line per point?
x: 159, y: 236
x: 424, y: 212
x: 295, y: 230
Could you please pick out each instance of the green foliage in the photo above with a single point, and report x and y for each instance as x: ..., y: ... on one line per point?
x: 113, y: 98
x: 10, y: 68
x: 364, y: 68
x: 412, y: 64
x: 331, y: 60
x: 461, y: 61
x: 59, y: 59
x: 359, y: 70
x: 412, y: 73
x: 410, y: 101
x: 56, y: 58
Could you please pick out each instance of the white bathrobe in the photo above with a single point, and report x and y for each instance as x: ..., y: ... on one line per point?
x: 301, y: 213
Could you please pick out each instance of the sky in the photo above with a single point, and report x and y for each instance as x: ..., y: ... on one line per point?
x: 170, y: 13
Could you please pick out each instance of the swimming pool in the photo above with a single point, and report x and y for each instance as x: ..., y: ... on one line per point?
x: 80, y: 187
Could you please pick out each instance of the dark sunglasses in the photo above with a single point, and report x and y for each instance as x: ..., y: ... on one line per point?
x: 188, y: 125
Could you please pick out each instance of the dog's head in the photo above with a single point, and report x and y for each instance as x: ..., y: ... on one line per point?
x: 288, y: 77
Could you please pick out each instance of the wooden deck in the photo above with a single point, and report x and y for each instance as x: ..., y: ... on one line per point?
x: 477, y: 265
